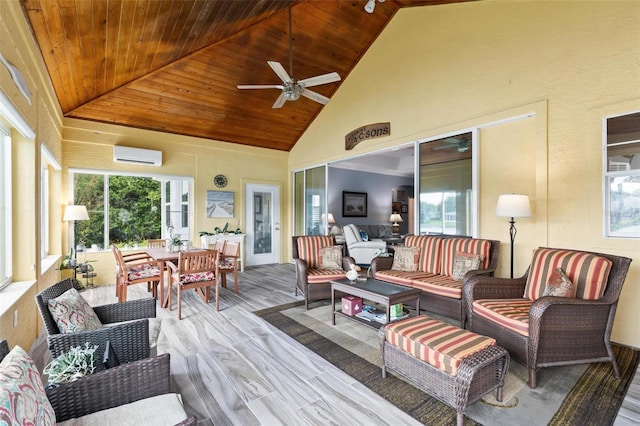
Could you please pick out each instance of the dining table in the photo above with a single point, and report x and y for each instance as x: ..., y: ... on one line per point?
x: 162, y: 256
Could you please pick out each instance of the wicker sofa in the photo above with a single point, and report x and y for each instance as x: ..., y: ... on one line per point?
x: 542, y: 330
x: 138, y: 392
x: 440, y: 293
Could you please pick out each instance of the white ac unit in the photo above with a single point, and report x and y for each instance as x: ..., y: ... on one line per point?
x: 148, y: 157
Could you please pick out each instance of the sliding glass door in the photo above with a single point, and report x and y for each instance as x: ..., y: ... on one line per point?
x: 310, y: 201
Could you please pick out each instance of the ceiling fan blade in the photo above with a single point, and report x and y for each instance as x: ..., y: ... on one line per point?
x: 280, y: 71
x: 259, y: 86
x: 314, y: 96
x: 280, y: 101
x: 320, y: 79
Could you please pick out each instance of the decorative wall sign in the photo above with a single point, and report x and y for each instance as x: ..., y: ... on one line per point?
x: 219, y: 204
x: 370, y: 131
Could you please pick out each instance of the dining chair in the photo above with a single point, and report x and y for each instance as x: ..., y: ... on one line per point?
x: 194, y: 270
x: 228, y: 264
x: 157, y: 243
x: 219, y: 245
x: 135, y: 268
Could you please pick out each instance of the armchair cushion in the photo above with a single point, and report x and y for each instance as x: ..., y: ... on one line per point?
x: 309, y: 248
x: 589, y: 272
x: 72, y: 313
x: 406, y: 259
x: 330, y: 258
x: 22, y: 396
x: 512, y: 314
x: 452, y: 246
x: 559, y: 285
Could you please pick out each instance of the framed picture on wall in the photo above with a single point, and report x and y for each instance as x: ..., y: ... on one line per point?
x: 396, y: 207
x: 401, y: 195
x: 219, y: 204
x: 405, y: 208
x: 354, y: 204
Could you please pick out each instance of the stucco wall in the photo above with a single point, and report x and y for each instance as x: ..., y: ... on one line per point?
x: 558, y: 67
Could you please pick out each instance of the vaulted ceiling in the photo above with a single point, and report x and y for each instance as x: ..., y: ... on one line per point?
x: 173, y: 66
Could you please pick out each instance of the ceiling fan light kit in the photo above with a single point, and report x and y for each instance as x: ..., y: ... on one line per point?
x: 291, y: 88
x: 371, y: 5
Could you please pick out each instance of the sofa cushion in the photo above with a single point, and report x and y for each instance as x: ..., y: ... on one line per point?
x: 439, y: 284
x: 330, y: 257
x: 430, y: 252
x: 406, y: 259
x: 315, y: 275
x: 401, y: 277
x: 73, y: 313
x: 165, y: 409
x: 309, y: 248
x: 437, y: 343
x: 589, y: 272
x: 465, y: 262
x: 509, y: 313
x: 559, y: 285
x: 23, y: 400
x: 385, y: 231
x: 451, y: 246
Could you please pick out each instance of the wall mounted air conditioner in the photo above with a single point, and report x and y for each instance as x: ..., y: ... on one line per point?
x: 148, y: 157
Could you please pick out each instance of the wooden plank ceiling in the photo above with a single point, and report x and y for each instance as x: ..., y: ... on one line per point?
x: 173, y: 66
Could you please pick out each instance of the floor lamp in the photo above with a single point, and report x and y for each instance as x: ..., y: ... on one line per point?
x: 74, y: 214
x: 513, y: 206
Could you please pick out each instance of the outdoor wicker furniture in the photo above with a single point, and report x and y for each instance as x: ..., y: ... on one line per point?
x: 145, y: 383
x: 313, y: 280
x: 451, y: 364
x: 130, y: 337
x: 542, y: 331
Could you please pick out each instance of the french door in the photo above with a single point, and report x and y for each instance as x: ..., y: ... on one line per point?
x: 263, y: 224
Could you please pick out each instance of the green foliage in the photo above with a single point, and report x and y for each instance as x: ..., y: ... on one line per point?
x: 72, y: 365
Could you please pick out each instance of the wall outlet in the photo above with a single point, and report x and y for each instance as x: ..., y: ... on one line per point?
x: 15, y: 318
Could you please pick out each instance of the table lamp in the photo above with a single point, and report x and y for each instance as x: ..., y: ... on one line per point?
x: 394, y: 219
x: 512, y: 206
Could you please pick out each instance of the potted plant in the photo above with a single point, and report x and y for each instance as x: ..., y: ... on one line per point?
x: 71, y: 365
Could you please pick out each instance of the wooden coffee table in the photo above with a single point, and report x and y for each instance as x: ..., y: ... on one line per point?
x: 375, y: 291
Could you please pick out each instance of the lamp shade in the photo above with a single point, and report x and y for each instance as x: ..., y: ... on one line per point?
x: 513, y: 205
x: 395, y: 218
x: 330, y: 219
x: 73, y: 213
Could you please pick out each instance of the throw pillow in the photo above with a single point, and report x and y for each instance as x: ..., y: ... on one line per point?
x: 364, y: 235
x: 385, y: 231
x: 406, y: 259
x: 23, y: 400
x: 465, y: 262
x: 72, y: 313
x: 330, y: 257
x: 559, y: 285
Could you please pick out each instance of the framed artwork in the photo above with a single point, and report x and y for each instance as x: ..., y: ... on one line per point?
x: 405, y: 208
x: 354, y: 204
x: 219, y: 204
x: 396, y: 207
x: 401, y: 195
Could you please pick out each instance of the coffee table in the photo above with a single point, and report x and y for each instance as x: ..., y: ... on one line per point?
x: 376, y: 291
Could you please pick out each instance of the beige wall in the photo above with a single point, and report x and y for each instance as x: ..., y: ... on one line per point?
x: 452, y: 67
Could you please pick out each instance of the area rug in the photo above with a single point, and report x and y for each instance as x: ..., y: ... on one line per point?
x: 594, y: 399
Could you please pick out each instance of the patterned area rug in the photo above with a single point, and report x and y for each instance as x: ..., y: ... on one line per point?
x: 594, y: 399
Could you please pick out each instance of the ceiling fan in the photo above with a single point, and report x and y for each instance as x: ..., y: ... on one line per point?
x: 291, y: 88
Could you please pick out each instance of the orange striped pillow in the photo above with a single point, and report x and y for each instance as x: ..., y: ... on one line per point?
x: 309, y: 248
x: 588, y: 272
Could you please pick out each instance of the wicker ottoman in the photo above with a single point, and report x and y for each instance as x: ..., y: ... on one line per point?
x: 453, y: 365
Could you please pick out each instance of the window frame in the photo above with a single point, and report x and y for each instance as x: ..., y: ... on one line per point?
x: 6, y: 206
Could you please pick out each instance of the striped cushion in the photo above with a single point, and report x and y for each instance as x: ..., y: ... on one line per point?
x: 509, y: 313
x: 588, y: 272
x: 400, y: 277
x: 315, y: 276
x: 441, y: 285
x: 430, y: 250
x: 465, y: 245
x: 309, y: 248
x: 439, y: 344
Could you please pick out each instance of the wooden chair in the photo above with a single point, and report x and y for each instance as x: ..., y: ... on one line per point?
x: 228, y: 264
x: 135, y: 268
x: 219, y: 245
x: 194, y: 270
x: 130, y: 338
x: 156, y: 243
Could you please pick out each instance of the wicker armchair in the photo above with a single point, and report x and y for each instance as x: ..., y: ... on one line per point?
x: 313, y: 283
x: 129, y: 339
x: 557, y: 330
x: 109, y: 388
